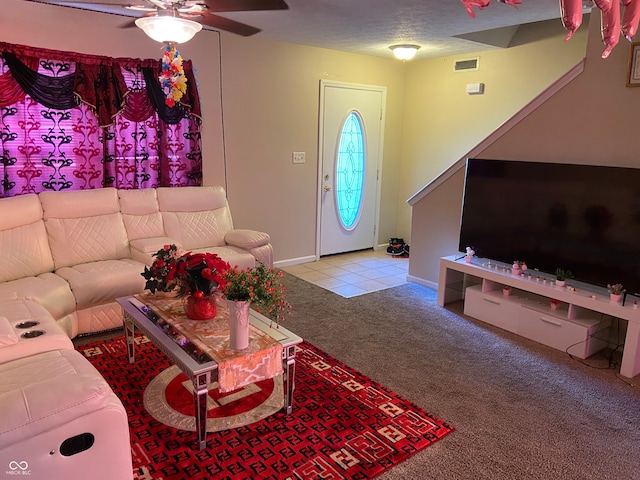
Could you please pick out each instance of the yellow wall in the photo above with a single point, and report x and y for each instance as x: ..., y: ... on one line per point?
x: 260, y: 103
x: 442, y: 122
x: 271, y: 108
x: 592, y: 120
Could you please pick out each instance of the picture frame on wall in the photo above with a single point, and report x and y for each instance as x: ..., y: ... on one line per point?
x: 633, y: 78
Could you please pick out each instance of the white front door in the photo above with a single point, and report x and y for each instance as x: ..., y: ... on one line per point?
x: 351, y: 129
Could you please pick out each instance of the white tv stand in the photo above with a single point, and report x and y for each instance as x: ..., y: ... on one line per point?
x: 527, y: 311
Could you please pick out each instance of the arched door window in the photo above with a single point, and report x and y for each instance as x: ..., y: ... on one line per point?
x: 349, y: 175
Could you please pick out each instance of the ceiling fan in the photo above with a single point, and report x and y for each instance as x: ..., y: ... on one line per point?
x: 200, y: 11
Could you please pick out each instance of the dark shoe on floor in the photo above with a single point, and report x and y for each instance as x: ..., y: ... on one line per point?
x: 396, y: 249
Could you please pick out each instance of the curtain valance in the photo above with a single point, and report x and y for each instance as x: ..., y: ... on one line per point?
x: 74, y: 121
x: 61, y: 80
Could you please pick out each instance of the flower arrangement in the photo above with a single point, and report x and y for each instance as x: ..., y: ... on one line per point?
x: 519, y: 265
x: 161, y: 275
x: 468, y: 257
x: 562, y: 274
x: 261, y: 287
x: 172, y: 78
x: 616, y: 289
x: 197, y: 273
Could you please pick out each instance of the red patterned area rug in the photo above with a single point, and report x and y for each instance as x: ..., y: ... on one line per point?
x: 343, y: 426
x: 169, y: 399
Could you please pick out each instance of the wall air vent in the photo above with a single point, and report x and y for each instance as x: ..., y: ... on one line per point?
x: 467, y: 65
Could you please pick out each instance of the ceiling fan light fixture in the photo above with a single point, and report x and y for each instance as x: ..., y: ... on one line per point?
x: 169, y: 29
x: 404, y: 52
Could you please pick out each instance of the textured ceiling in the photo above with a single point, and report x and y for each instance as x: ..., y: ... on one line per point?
x: 440, y: 27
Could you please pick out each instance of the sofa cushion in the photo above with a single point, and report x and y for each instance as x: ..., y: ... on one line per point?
x: 44, y: 391
x: 97, y: 283
x: 143, y: 249
x: 84, y: 226
x: 196, y: 217
x: 140, y: 213
x: 143, y: 226
x: 247, y: 239
x: 196, y: 229
x: 142, y: 201
x: 20, y: 210
x: 24, y: 247
x: 191, y: 199
x: 48, y: 290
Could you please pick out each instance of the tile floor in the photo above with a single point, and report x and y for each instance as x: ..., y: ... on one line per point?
x: 355, y: 273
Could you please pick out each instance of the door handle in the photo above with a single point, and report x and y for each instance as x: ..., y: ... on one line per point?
x: 327, y: 188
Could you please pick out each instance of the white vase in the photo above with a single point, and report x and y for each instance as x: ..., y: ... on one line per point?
x: 615, y: 297
x: 238, y: 324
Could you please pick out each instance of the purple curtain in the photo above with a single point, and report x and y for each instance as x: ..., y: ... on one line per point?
x: 72, y: 121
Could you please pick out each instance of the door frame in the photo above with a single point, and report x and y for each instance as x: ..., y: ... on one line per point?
x: 354, y: 86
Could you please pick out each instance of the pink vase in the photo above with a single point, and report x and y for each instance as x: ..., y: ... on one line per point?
x: 238, y: 324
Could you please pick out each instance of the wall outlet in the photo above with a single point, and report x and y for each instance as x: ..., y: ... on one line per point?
x: 298, y: 157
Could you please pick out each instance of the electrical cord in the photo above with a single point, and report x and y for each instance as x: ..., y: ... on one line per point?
x: 224, y: 143
x: 611, y: 364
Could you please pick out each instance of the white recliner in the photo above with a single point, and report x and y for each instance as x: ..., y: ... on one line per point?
x: 61, y: 420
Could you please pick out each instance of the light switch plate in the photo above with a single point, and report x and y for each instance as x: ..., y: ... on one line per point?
x: 298, y: 157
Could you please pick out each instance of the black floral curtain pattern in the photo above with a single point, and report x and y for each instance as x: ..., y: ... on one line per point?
x: 75, y: 121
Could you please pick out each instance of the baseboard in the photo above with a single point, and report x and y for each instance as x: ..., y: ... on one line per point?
x: 423, y: 282
x: 312, y: 258
x: 294, y: 261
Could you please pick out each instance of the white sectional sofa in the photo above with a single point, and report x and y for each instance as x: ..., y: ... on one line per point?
x: 73, y: 253
x: 64, y: 259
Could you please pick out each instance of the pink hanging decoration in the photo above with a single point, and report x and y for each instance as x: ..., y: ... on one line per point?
x: 470, y: 4
x: 571, y: 11
x: 603, y: 5
x: 610, y: 21
x: 630, y: 18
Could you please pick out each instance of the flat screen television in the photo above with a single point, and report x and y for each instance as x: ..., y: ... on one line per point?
x: 581, y: 218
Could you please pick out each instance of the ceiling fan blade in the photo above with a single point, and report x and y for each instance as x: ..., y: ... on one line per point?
x: 228, y: 25
x: 244, y: 5
x: 111, y: 3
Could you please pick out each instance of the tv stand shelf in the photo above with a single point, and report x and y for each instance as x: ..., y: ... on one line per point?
x: 578, y: 325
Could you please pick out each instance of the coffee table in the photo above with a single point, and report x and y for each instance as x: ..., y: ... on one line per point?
x: 199, y: 367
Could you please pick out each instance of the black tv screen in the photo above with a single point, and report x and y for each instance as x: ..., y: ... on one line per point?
x: 581, y: 218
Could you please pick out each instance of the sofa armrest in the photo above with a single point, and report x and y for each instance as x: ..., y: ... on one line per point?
x: 143, y: 249
x: 246, y: 239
